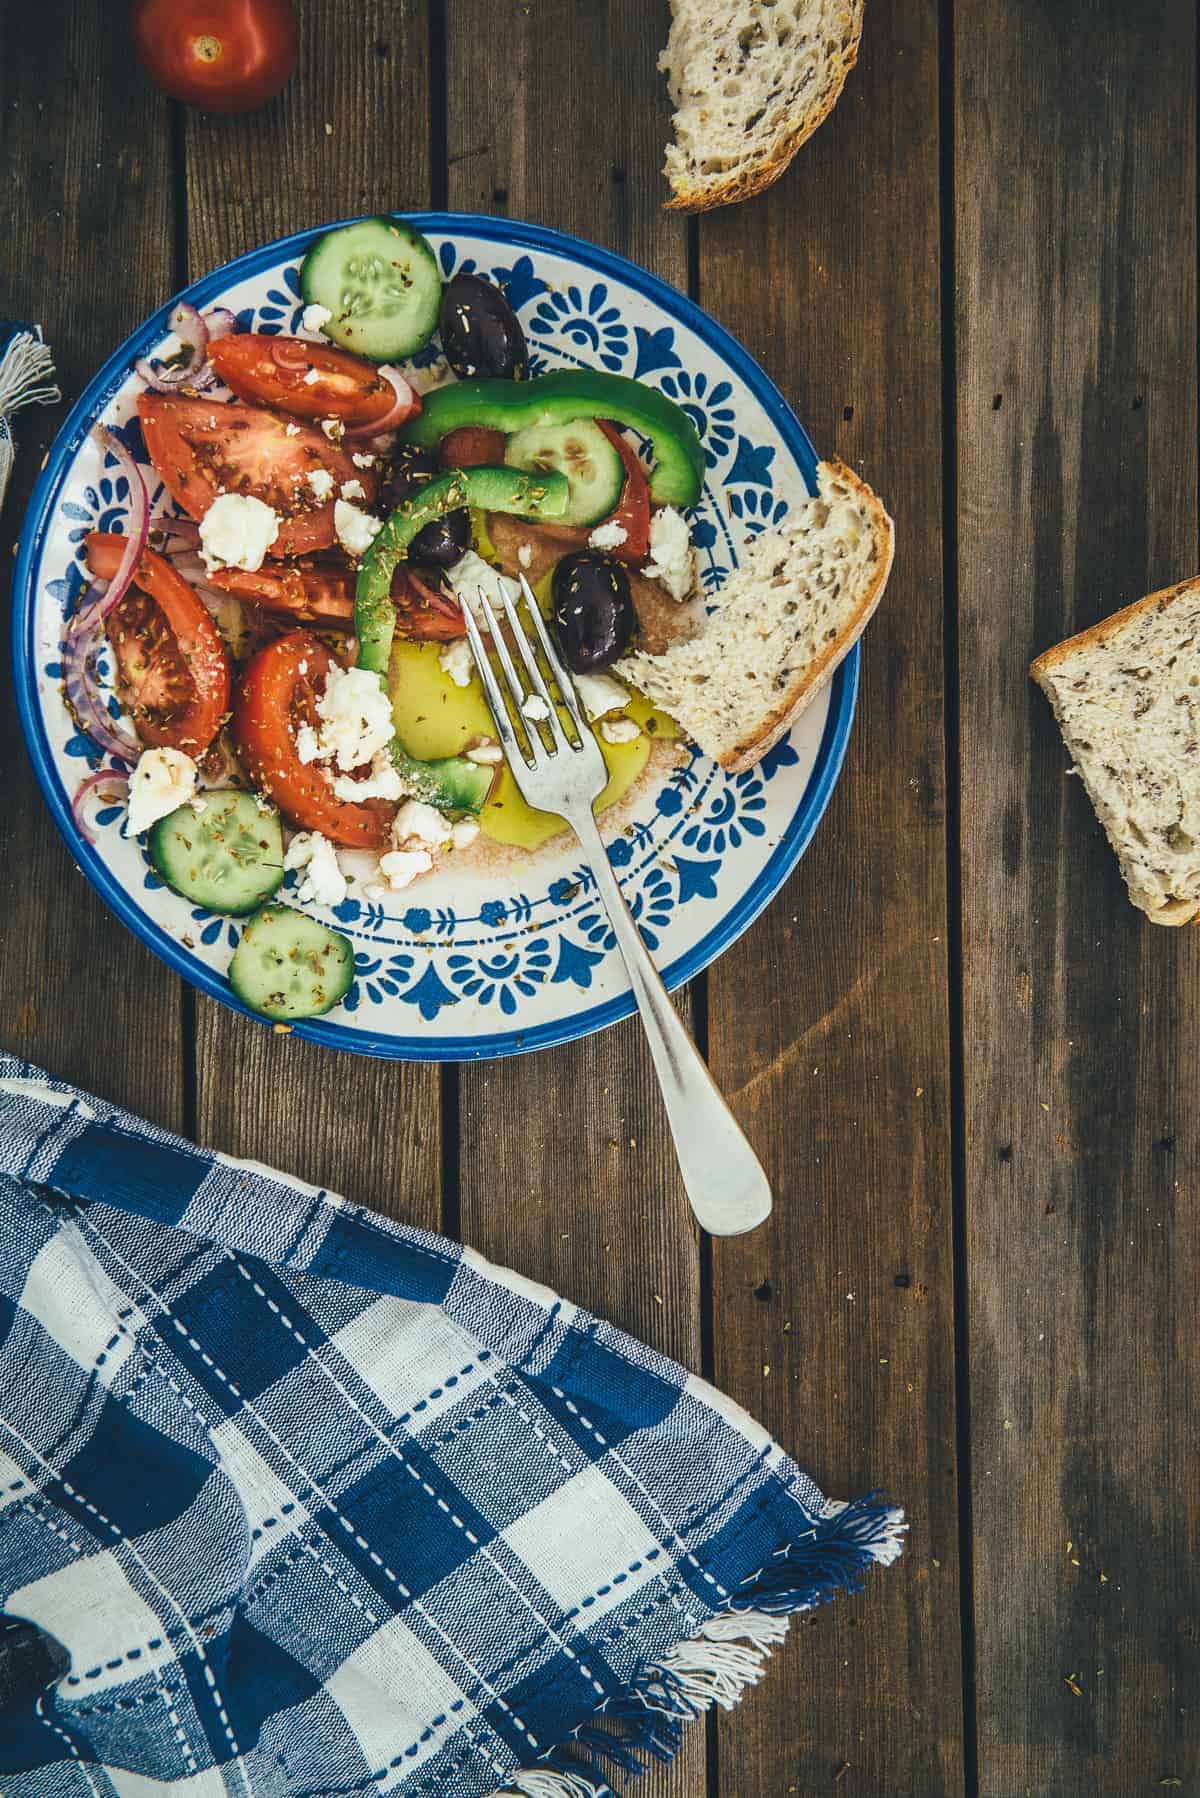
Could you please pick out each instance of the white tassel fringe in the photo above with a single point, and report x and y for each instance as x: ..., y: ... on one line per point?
x: 27, y: 374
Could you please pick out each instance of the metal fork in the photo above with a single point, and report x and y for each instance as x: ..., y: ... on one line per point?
x: 724, y: 1181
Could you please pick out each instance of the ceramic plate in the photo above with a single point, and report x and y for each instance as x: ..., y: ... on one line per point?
x: 474, y: 963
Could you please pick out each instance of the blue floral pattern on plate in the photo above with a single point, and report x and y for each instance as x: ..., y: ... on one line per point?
x: 501, y: 955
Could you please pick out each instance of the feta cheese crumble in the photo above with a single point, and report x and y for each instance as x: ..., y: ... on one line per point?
x: 291, y: 430
x: 420, y: 826
x: 356, y: 529
x: 471, y: 573
x: 361, y: 460
x: 400, y: 867
x: 487, y: 754
x: 455, y: 659
x: 312, y: 377
x: 534, y: 707
x: 525, y: 554
x: 334, y: 429
x: 600, y: 693
x: 353, y: 490
x: 163, y: 780
x: 672, y: 560
x: 620, y: 730
x: 464, y: 833
x: 355, y: 716
x: 237, y: 531
x: 314, y: 319
x: 323, y: 883
x: 320, y: 483
x: 608, y: 536
x: 381, y: 782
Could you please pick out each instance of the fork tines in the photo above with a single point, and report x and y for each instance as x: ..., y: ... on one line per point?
x: 508, y: 705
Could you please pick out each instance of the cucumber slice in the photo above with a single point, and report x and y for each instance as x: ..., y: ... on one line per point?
x: 228, y: 857
x: 582, y: 452
x: 289, y: 966
x: 381, y: 281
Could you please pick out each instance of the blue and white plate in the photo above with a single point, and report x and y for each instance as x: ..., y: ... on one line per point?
x: 477, y: 963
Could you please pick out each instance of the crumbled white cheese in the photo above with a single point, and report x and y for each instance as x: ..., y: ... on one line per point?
x: 487, y: 754
x: 334, y: 429
x: 360, y: 460
x: 320, y: 483
x: 315, y: 318
x: 525, y: 554
x: 356, y: 529
x: 237, y: 531
x: 400, y: 867
x: 355, y: 716
x: 163, y: 780
x: 470, y: 574
x: 534, y: 707
x: 600, y: 694
x: 620, y: 730
x: 455, y: 659
x: 464, y: 833
x: 312, y: 377
x: 382, y: 782
x: 291, y: 430
x: 672, y: 560
x: 420, y: 826
x: 374, y: 890
x: 323, y: 883
x: 608, y: 536
x: 353, y: 490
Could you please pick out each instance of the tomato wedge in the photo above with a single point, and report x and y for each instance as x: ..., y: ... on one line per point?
x: 275, y: 695
x: 471, y: 446
x: 201, y: 448
x: 632, y: 510
x: 172, y: 667
x: 311, y: 592
x: 279, y: 371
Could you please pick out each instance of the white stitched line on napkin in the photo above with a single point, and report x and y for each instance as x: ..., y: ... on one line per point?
x: 473, y: 1672
x: 40, y: 1707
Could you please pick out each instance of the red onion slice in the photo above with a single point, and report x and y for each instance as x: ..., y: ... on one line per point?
x: 193, y: 333
x: 407, y: 405
x: 87, y: 703
x: 107, y: 776
x: 220, y: 321
x: 101, y: 599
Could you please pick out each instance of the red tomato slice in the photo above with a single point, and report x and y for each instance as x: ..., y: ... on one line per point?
x: 471, y: 446
x: 274, y: 696
x: 276, y: 371
x: 201, y: 448
x: 632, y: 510
x: 308, y: 591
x: 172, y: 666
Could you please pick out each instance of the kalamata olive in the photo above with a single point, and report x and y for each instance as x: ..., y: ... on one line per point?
x: 479, y: 330
x: 593, y: 610
x: 445, y: 541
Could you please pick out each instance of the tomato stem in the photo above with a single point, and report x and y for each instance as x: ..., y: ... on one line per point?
x: 208, y: 48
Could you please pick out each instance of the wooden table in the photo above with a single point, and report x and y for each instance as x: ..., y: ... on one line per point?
x: 969, y: 1065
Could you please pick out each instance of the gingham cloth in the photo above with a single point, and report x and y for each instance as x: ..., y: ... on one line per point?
x: 297, y: 1501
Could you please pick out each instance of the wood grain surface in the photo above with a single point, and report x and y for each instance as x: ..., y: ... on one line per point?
x: 969, y: 1065
x: 1077, y: 493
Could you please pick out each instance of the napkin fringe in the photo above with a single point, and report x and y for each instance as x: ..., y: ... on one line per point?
x: 26, y: 371
x: 718, y: 1665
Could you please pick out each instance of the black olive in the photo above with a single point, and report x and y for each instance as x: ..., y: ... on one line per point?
x: 593, y: 610
x: 445, y: 541
x: 479, y: 330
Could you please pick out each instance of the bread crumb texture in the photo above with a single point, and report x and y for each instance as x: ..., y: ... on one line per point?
x: 780, y: 624
x: 1127, y: 698
x: 750, y: 82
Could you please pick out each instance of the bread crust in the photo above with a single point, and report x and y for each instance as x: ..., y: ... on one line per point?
x: 750, y: 750
x: 1175, y: 912
x: 753, y: 180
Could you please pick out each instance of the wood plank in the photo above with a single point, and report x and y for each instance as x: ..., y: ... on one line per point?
x: 840, y: 1059
x: 84, y: 145
x: 349, y: 134
x: 1077, y: 483
x: 567, y: 1172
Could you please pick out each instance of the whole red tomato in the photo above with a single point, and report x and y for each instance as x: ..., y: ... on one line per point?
x: 220, y: 55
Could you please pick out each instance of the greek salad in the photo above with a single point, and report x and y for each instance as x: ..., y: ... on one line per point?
x: 288, y: 648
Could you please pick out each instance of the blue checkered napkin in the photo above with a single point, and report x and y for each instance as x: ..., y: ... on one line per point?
x: 301, y: 1503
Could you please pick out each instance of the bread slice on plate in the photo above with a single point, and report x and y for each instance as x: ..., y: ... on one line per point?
x: 792, y: 611
x: 1127, y: 698
x: 750, y: 80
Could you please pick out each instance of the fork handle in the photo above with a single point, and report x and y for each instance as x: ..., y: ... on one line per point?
x: 722, y: 1176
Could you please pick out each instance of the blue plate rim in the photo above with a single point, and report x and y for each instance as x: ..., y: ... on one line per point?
x: 831, y: 753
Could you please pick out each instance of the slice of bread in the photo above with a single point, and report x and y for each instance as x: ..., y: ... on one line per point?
x: 796, y: 606
x: 1127, y: 698
x: 750, y: 80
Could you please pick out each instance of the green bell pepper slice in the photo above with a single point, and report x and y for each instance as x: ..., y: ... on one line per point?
x: 555, y: 399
